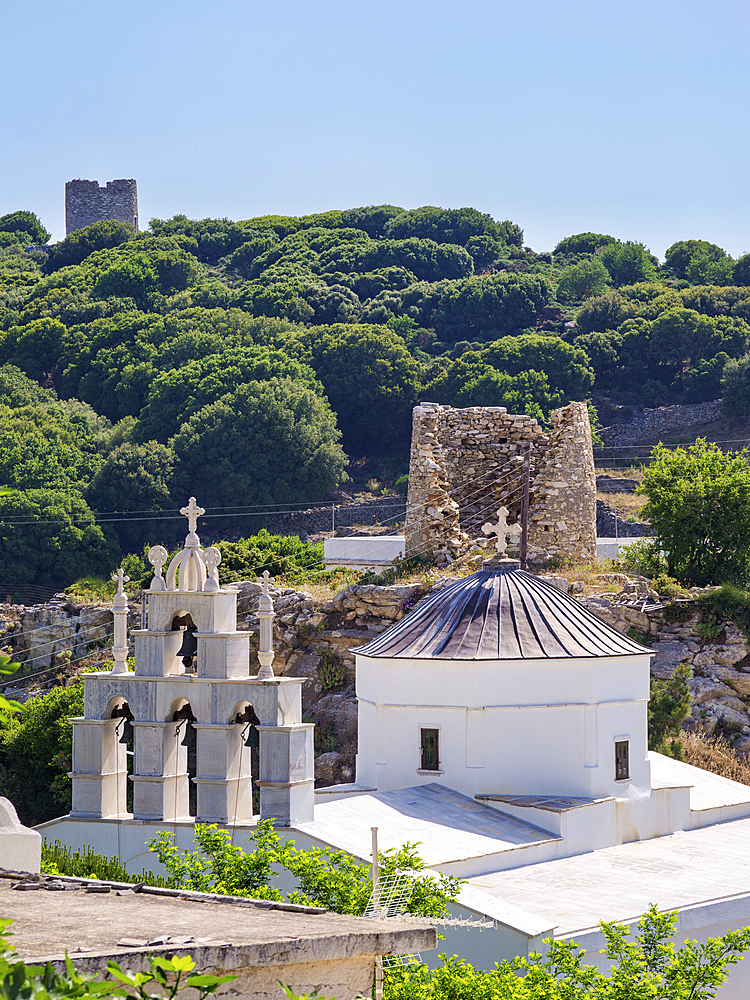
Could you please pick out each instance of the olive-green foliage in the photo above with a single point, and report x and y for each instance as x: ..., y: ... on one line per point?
x: 49, y: 538
x: 17, y: 389
x: 369, y: 377
x: 133, y: 477
x: 36, y: 748
x: 77, y: 246
x: 451, y: 225
x: 583, y: 243
x: 281, y: 555
x: 60, y: 859
x: 267, y: 443
x: 517, y: 372
x: 325, y: 877
x: 644, y: 557
x: 679, y: 256
x: 699, y: 509
x: 628, y: 263
x: 582, y: 281
x: 668, y: 707
x: 41, y: 447
x: 176, y: 394
x: 644, y: 968
x: 735, y: 387
x: 741, y: 270
x: 730, y: 603
x: 213, y: 238
x: 34, y: 347
x: 26, y: 224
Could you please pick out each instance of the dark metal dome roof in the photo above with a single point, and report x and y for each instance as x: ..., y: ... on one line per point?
x: 500, y: 615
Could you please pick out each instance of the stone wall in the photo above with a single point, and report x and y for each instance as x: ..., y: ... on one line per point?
x: 388, y: 510
x: 562, y: 518
x: 466, y: 463
x: 86, y: 202
x: 650, y: 424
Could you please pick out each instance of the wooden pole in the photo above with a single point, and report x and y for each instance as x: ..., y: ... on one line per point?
x: 525, y: 505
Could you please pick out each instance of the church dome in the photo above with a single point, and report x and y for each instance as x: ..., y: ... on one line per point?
x: 500, y: 614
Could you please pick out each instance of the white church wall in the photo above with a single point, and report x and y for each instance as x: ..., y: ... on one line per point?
x: 531, y: 750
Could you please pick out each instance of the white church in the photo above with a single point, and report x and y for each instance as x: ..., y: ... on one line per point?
x: 501, y: 725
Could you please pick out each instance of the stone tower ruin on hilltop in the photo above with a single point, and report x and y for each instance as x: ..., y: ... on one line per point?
x: 87, y: 202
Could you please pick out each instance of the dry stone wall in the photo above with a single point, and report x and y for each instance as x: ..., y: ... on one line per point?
x: 649, y: 424
x: 466, y: 463
x: 86, y: 202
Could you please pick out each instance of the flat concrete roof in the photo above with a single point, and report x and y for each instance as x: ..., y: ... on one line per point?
x: 619, y: 883
x: 707, y: 790
x: 449, y: 826
x: 226, y: 933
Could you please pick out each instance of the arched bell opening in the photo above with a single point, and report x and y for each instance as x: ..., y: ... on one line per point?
x: 243, y: 714
x: 118, y: 708
x: 182, y: 621
x: 181, y: 713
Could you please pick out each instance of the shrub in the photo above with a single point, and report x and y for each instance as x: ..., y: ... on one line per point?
x: 60, y: 859
x: 668, y: 707
x: 645, y: 557
x: 331, y: 669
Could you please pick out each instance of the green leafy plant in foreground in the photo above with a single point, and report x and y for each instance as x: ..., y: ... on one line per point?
x: 19, y: 981
x: 649, y: 967
x: 325, y: 877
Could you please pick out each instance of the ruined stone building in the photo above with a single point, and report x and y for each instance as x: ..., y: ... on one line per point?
x: 87, y: 202
x: 465, y: 463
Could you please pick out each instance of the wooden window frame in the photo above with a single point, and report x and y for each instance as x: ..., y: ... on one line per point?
x: 622, y: 760
x: 434, y: 752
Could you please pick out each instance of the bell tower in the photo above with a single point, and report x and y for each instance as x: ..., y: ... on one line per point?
x: 218, y: 699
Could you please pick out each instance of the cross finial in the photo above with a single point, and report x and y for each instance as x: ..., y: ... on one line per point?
x: 192, y: 512
x: 120, y: 579
x: 265, y: 581
x: 502, y: 530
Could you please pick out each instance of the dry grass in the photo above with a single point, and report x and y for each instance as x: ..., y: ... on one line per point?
x: 627, y: 505
x: 715, y: 754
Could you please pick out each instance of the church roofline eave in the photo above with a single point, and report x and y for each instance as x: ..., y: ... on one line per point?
x: 506, y: 659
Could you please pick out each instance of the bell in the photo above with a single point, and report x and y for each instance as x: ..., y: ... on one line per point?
x: 253, y: 740
x: 189, y: 739
x: 127, y: 733
x: 189, y: 645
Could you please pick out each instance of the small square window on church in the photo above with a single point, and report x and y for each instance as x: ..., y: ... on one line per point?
x: 622, y: 760
x: 430, y: 748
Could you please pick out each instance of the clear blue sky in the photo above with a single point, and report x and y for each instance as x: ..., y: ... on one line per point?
x: 623, y: 118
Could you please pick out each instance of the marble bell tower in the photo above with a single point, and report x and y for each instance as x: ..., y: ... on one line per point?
x: 211, y: 691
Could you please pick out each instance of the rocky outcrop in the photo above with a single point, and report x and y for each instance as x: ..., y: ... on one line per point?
x: 648, y: 425
x: 611, y: 524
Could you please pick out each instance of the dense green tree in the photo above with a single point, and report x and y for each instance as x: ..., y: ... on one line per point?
x: 25, y: 223
x: 49, y: 538
x: 370, y: 379
x: 628, y: 263
x: 485, y: 307
x: 214, y: 238
x: 36, y: 347
x: 41, y: 447
x: 741, y: 270
x: 133, y: 478
x: 176, y: 394
x: 17, y: 389
x: 735, y: 388
x: 703, y: 269
x: 471, y: 381
x: 567, y: 368
x: 258, y: 243
x: 371, y: 218
x: 582, y: 281
x: 36, y: 751
x: 699, y: 509
x: 583, y: 243
x: 677, y: 258
x: 77, y: 245
x: 451, y: 225
x: 704, y: 382
x: 269, y: 442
